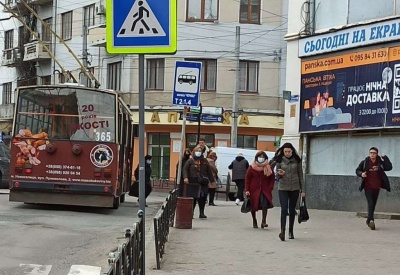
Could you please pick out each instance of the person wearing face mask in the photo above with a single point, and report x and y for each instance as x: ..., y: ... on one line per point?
x: 196, y: 165
x: 186, y: 155
x: 147, y: 175
x: 291, y: 183
x: 259, y: 183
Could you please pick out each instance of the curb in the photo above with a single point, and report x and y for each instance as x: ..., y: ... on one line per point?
x: 388, y: 216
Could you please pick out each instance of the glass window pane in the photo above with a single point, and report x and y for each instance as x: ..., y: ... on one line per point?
x: 255, y: 11
x: 324, y: 18
x: 165, y: 139
x: 211, y: 75
x: 210, y: 9
x: 360, y: 11
x: 243, y: 76
x: 194, y: 9
x: 253, y: 73
x: 244, y: 5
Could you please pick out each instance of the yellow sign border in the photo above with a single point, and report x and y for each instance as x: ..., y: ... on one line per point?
x: 170, y: 49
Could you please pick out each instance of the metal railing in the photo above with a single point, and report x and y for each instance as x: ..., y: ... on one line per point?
x: 128, y: 257
x: 162, y: 221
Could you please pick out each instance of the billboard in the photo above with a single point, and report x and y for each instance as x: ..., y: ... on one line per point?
x: 351, y: 91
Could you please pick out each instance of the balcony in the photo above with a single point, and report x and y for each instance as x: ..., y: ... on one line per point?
x: 11, y: 57
x: 97, y: 36
x: 34, y: 51
x: 19, y: 7
x: 6, y: 112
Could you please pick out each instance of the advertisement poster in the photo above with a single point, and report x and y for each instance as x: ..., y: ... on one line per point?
x: 351, y: 91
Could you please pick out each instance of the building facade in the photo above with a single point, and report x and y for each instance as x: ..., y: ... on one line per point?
x: 343, y: 72
x: 206, y: 34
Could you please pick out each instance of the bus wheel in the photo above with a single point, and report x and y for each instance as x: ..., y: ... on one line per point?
x: 122, y: 198
x: 116, y: 203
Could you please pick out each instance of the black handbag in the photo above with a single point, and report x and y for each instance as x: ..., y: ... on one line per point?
x: 303, y: 212
x: 203, y: 180
x: 246, y: 206
x: 134, y: 189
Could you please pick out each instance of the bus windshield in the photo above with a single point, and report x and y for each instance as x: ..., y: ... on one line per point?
x: 72, y: 113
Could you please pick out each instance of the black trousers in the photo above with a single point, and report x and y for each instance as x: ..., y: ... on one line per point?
x: 240, y: 186
x: 372, y: 199
x: 211, y: 192
x: 288, y: 201
x: 202, y: 204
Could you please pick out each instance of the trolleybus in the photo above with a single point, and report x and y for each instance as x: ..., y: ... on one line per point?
x: 71, y: 145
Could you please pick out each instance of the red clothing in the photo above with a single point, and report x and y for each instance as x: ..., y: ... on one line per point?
x: 256, y: 183
x: 373, y: 181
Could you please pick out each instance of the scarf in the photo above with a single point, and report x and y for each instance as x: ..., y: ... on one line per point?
x: 262, y: 167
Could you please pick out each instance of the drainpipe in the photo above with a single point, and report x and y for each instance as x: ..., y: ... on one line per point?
x: 304, y: 159
x: 54, y: 40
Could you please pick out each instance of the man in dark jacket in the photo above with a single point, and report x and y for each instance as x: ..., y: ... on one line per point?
x: 372, y: 171
x: 147, y: 175
x: 239, y: 168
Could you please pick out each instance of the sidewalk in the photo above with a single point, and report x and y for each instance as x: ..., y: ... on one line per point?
x: 330, y: 242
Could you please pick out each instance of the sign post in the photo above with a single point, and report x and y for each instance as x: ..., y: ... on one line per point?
x: 142, y: 27
x: 186, y: 93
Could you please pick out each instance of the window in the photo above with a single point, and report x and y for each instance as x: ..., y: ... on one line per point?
x: 155, y: 74
x: 248, y: 142
x: 66, y: 25
x: 208, y: 74
x: 89, y: 15
x: 9, y: 43
x: 248, y: 76
x: 191, y: 140
x: 114, y: 76
x: 46, y: 79
x: 160, y: 150
x: 202, y: 10
x: 46, y: 33
x: 67, y: 113
x: 250, y: 11
x: 23, y: 36
x: 7, y: 92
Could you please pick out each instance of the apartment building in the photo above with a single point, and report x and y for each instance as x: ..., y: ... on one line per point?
x: 343, y: 64
x: 206, y: 33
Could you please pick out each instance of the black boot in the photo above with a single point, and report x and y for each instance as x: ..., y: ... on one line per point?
x: 202, y: 216
x: 282, y: 235
x: 202, y: 205
x: 291, y: 225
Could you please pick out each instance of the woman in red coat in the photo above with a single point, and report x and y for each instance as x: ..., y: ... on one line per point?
x: 259, y: 184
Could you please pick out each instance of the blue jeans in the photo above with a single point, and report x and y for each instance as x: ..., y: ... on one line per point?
x: 288, y: 201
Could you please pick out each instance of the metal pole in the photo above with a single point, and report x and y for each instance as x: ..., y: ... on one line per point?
x: 235, y: 92
x: 142, y: 186
x: 178, y: 178
x: 199, y: 124
x: 84, y: 80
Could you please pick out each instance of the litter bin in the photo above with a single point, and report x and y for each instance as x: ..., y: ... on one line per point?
x: 184, y: 212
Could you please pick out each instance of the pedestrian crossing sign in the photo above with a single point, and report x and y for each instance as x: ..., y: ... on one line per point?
x: 141, y: 26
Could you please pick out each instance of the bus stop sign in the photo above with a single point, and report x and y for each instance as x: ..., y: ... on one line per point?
x: 187, y: 84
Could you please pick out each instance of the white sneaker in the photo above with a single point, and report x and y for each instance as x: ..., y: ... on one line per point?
x: 237, y: 201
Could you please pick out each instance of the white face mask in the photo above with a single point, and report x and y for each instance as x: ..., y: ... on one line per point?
x: 260, y: 160
x: 197, y: 154
x: 148, y: 161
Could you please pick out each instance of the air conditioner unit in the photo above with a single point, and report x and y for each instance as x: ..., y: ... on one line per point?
x: 100, y: 9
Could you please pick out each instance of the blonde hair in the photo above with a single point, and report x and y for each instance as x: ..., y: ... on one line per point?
x: 197, y: 148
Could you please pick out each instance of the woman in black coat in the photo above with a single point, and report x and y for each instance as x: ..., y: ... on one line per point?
x: 197, y: 175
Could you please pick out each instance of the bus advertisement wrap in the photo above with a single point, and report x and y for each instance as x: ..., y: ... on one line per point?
x: 351, y: 91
